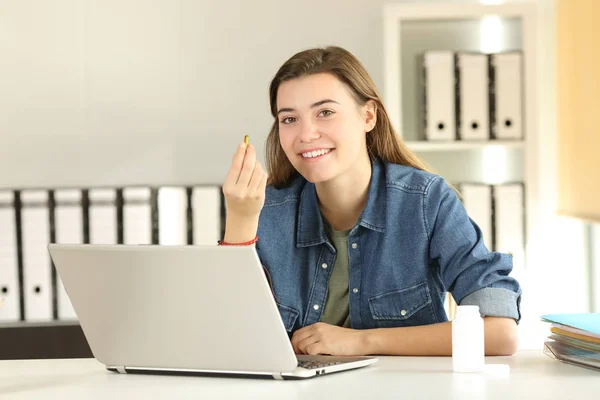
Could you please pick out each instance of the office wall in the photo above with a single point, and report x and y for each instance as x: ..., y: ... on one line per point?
x: 110, y: 92
x: 578, y: 83
x: 594, y: 253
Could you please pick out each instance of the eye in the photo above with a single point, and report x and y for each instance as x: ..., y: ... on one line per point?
x: 326, y: 113
x: 288, y: 120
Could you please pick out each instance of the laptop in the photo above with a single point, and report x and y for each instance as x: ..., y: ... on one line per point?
x: 205, y: 310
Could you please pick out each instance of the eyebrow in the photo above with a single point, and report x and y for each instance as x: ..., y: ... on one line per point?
x: 317, y: 104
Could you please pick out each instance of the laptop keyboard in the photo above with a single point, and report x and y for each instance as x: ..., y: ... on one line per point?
x: 317, y: 364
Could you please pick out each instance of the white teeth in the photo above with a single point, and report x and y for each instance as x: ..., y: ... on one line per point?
x: 315, y: 153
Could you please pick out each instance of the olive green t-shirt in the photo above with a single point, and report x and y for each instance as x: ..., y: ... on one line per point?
x: 337, y: 307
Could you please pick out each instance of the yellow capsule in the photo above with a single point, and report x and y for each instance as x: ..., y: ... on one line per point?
x: 247, y: 140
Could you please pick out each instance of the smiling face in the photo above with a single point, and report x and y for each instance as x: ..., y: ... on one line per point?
x: 322, y: 129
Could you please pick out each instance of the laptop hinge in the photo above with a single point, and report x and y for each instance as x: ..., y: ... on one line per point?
x: 121, y: 370
x: 278, y: 376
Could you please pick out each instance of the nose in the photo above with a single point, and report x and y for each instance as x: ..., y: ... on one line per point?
x: 308, y: 132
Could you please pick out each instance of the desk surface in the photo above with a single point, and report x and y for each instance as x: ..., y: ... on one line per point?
x: 532, y: 375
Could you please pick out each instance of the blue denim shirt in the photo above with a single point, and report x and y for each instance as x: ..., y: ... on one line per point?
x: 412, y: 244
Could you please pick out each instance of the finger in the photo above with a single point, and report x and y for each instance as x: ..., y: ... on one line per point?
x: 314, y: 349
x: 296, y: 349
x: 236, y: 164
x: 294, y: 342
x: 247, y: 167
x: 262, y: 186
x: 302, y: 333
x: 297, y: 337
x: 306, y: 342
x: 257, y: 177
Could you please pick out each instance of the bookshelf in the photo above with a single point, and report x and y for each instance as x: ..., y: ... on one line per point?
x: 46, y: 326
x: 421, y: 146
x: 410, y: 29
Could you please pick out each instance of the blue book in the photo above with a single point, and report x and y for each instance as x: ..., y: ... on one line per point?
x: 589, y: 322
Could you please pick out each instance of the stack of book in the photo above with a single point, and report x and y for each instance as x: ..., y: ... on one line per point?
x: 574, y: 339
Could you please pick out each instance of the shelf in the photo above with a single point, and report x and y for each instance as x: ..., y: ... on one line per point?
x: 439, y: 10
x: 24, y: 324
x: 425, y: 146
x: 55, y: 339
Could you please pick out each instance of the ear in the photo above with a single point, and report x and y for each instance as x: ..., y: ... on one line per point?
x: 370, y: 115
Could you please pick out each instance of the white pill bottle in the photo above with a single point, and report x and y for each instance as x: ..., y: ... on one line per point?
x: 468, y: 348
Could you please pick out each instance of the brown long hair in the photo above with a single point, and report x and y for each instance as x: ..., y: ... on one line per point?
x: 382, y: 142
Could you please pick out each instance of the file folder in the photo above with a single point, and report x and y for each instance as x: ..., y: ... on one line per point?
x: 574, y: 339
x: 37, y: 267
x: 137, y: 215
x: 477, y: 200
x: 103, y: 216
x: 439, y: 85
x: 172, y: 215
x: 509, y: 221
x: 588, y: 322
x: 69, y: 230
x: 473, y: 94
x: 10, y: 292
x: 507, y: 84
x: 206, y: 211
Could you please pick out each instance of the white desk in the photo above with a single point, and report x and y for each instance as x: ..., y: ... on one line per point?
x: 532, y: 375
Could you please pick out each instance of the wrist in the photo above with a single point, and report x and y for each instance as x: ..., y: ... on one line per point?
x: 240, y: 229
x: 247, y: 243
x: 370, y: 341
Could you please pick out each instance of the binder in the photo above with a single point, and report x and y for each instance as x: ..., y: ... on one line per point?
x: 69, y: 229
x: 137, y: 216
x: 37, y: 270
x: 477, y: 200
x: 206, y: 214
x: 439, y: 94
x: 509, y: 222
x: 507, y: 89
x: 103, y: 216
x: 10, y: 292
x: 172, y: 215
x: 473, y: 94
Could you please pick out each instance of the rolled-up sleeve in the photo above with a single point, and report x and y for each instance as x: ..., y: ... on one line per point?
x: 495, y: 302
x: 473, y: 274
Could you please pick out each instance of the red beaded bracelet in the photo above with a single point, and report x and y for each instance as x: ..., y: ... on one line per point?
x: 224, y: 243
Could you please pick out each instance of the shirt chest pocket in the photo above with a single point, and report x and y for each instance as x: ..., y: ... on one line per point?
x: 404, y: 307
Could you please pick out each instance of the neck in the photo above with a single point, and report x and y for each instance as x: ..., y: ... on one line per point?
x: 343, y: 199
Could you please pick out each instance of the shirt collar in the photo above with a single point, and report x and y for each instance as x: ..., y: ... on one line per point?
x: 311, y: 231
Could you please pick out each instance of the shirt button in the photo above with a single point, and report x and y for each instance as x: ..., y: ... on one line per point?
x: 324, y: 266
x: 354, y: 245
x: 355, y: 290
x: 403, y: 313
x: 316, y: 306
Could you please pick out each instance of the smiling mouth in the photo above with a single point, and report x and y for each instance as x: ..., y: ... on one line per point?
x: 316, y: 153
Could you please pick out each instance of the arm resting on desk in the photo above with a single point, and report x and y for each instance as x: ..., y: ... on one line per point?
x: 501, y: 339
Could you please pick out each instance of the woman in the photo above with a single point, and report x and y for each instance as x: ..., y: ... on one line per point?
x: 361, y: 243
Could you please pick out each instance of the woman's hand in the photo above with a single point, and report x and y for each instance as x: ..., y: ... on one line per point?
x: 322, y: 338
x: 244, y: 191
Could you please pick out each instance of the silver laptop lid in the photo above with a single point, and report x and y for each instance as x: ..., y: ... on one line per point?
x: 175, y: 307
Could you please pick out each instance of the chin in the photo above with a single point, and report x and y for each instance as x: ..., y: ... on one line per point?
x: 313, y: 177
